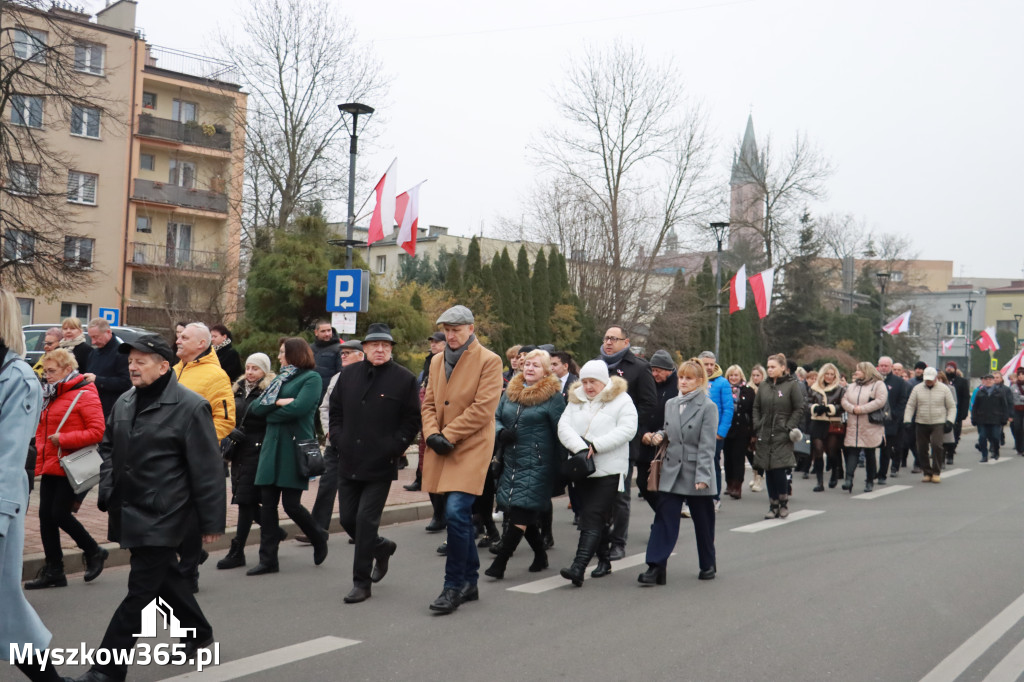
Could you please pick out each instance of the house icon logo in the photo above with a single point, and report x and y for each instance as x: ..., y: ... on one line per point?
x: 156, y: 611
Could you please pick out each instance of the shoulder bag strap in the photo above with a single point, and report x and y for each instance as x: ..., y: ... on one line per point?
x: 78, y: 394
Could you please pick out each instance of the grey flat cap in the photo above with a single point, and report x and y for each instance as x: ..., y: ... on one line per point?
x: 352, y: 344
x: 456, y: 315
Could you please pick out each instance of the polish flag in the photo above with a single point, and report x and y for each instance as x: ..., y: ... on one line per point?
x: 738, y: 290
x: 987, y: 340
x: 407, y: 215
x: 898, y: 325
x: 761, y: 284
x: 385, y: 190
x: 1010, y: 368
x: 947, y: 346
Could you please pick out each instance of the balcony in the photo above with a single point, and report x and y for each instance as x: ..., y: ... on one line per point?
x: 173, y: 195
x: 164, y: 256
x: 197, y: 66
x: 200, y: 135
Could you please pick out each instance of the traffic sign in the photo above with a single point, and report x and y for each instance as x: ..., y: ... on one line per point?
x: 111, y: 315
x: 995, y: 364
x: 348, y: 291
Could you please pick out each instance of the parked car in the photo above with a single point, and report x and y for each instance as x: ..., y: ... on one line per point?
x: 34, y: 334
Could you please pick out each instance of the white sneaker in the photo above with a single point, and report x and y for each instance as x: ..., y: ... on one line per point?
x: 718, y: 506
x: 755, y: 485
x: 686, y: 511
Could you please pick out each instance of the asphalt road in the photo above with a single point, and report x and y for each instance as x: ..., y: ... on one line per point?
x: 918, y: 583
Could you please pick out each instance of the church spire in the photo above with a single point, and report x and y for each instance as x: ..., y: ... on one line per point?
x: 747, y: 167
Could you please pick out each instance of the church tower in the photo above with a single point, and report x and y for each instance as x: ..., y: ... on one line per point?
x: 746, y: 201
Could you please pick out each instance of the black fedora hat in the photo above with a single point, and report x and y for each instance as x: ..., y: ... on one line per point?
x: 378, y: 331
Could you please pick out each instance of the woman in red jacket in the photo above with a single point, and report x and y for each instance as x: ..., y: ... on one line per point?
x: 84, y: 426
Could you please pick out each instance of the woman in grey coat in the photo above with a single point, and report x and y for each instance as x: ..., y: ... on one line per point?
x: 687, y: 475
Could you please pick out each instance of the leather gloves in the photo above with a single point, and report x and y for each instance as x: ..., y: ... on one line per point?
x: 795, y: 435
x: 947, y: 427
x: 439, y: 444
x: 507, y: 436
x: 820, y: 409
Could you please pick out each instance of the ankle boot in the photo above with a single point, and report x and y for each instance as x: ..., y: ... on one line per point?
x: 821, y: 482
x: 535, y: 539
x: 783, y: 510
x: 235, y: 557
x: 546, y: 520
x: 438, y: 521
x: 654, y: 575
x: 589, y: 540
x: 94, y: 563
x: 773, y: 509
x: 509, y: 542
x: 604, y: 564
x: 50, y: 575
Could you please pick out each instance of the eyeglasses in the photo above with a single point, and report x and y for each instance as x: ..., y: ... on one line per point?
x: 612, y: 339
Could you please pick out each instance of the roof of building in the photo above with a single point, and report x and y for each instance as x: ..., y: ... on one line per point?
x: 747, y: 167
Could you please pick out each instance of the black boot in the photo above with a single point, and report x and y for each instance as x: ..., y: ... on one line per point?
x: 509, y: 542
x: 546, y: 519
x: 438, y: 522
x: 50, y: 575
x: 235, y: 557
x: 417, y: 484
x: 589, y: 540
x: 851, y: 466
x: 540, y: 553
x: 94, y: 563
x: 821, y: 482
x: 495, y: 547
x: 654, y: 575
x: 491, y: 534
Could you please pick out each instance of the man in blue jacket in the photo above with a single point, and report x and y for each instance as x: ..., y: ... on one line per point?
x: 720, y: 393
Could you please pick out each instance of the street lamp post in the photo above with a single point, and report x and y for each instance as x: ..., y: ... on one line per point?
x: 938, y: 346
x: 883, y: 280
x: 970, y: 331
x: 355, y: 109
x: 719, y: 231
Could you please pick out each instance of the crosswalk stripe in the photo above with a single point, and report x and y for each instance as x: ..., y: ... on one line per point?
x: 554, y: 582
x: 776, y: 523
x: 952, y: 666
x: 250, y: 665
x: 995, y: 461
x: 950, y: 473
x: 881, y: 492
x: 1008, y: 669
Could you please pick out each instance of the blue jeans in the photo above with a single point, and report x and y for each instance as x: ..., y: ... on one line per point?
x: 463, y: 564
x: 989, y: 434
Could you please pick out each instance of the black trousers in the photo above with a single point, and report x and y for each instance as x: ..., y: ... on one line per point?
x: 735, y: 453
x: 643, y: 470
x: 890, y: 453
x: 190, y: 549
x: 665, y: 529
x: 597, y: 497
x: 55, y: 498
x: 154, y: 573
x: 777, y: 482
x: 323, y: 506
x: 270, y: 537
x: 361, y: 504
x: 618, y: 529
x: 852, y: 455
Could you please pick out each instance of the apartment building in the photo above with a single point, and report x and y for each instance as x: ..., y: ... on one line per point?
x: 154, y: 181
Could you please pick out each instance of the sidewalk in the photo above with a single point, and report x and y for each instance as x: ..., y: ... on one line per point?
x: 402, y: 506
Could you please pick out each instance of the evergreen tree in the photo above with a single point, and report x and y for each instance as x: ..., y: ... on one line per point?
x: 798, y: 319
x: 507, y: 280
x: 525, y: 299
x: 542, y: 305
x: 453, y: 277
x: 472, y: 270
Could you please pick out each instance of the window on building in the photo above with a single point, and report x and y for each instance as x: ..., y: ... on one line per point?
x: 83, y: 311
x: 183, y: 111
x: 78, y: 251
x: 89, y: 58
x: 27, y: 110
x: 147, y: 162
x: 149, y: 100
x: 85, y: 121
x: 896, y: 276
x: 955, y: 306
x: 27, y: 306
x: 956, y: 328
x: 1007, y: 326
x: 382, y: 264
x: 23, y: 178
x: 182, y: 174
x: 140, y: 284
x: 1007, y: 305
x: 143, y: 223
x: 82, y: 188
x: 30, y: 44
x: 19, y: 246
x: 179, y: 244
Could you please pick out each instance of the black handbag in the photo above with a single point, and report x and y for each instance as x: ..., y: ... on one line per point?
x: 882, y: 415
x: 498, y: 457
x: 310, y: 457
x: 578, y: 466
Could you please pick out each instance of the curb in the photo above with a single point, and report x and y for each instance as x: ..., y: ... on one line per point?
x: 399, y: 513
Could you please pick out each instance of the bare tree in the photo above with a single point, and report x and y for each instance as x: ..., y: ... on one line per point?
x: 299, y: 60
x: 42, y: 67
x: 628, y: 167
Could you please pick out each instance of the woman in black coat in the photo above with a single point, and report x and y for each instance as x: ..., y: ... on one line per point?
x: 737, y: 441
x: 246, y: 438
x: 824, y: 402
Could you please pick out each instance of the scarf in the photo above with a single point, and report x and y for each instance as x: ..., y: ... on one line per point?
x: 736, y: 392
x: 269, y: 396
x: 451, y: 357
x: 249, y: 386
x: 147, y: 395
x: 685, y: 399
x: 50, y: 390
x: 223, y: 344
x: 613, y: 360
x: 71, y: 343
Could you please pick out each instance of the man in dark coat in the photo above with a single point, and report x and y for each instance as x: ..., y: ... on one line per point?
x: 221, y: 340
x: 616, y: 353
x: 666, y: 386
x: 326, y: 353
x: 989, y: 413
x: 561, y: 367
x: 108, y: 369
x: 161, y: 465
x: 962, y: 393
x: 899, y: 391
x: 374, y: 416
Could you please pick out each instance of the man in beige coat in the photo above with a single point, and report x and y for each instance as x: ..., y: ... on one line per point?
x: 458, y: 425
x: 932, y: 408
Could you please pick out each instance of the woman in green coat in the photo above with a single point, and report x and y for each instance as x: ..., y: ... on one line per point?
x: 778, y: 412
x: 289, y: 405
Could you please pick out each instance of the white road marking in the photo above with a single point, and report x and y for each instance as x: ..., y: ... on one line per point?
x: 232, y: 670
x: 881, y: 491
x: 950, y: 473
x: 556, y: 581
x: 956, y: 663
x: 995, y: 461
x: 1009, y: 669
x: 775, y: 523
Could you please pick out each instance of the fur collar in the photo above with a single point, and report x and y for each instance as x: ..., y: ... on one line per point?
x: 824, y: 390
x: 262, y: 385
x: 528, y: 396
x: 611, y: 391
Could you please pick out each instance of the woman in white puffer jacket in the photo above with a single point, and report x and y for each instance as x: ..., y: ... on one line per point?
x: 600, y: 420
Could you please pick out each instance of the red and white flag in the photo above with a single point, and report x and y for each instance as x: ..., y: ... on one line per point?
x: 987, y: 340
x: 1010, y: 368
x: 738, y: 290
x: 385, y: 190
x: 407, y: 215
x: 899, y: 325
x: 947, y: 345
x: 761, y: 284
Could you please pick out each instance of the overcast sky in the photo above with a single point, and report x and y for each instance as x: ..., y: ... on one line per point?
x: 915, y: 102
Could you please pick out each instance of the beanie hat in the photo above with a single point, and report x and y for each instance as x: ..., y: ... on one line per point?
x: 595, y: 369
x: 662, y: 360
x: 952, y: 363
x: 261, y: 360
x: 921, y: 364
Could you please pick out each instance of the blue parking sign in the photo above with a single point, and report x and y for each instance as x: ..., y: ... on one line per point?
x: 348, y: 291
x: 111, y: 315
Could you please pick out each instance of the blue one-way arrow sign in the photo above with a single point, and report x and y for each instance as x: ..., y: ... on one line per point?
x: 348, y: 291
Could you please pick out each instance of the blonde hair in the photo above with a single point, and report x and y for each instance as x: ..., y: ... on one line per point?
x: 63, y: 357
x: 780, y: 360
x: 71, y: 323
x: 820, y: 381
x: 10, y: 324
x: 695, y: 370
x: 869, y: 371
x: 543, y: 356
x: 758, y: 368
x: 735, y: 368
